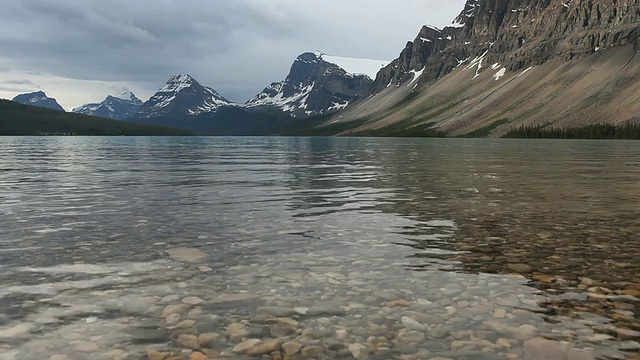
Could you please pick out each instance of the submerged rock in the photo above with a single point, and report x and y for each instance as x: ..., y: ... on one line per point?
x: 190, y: 255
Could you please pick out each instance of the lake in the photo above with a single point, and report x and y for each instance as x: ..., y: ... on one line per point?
x: 325, y: 248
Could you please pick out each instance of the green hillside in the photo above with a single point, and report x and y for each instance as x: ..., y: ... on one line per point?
x: 19, y: 119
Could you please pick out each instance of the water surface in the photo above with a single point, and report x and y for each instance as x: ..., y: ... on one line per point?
x: 111, y: 248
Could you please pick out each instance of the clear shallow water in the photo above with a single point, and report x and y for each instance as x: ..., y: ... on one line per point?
x: 386, y: 248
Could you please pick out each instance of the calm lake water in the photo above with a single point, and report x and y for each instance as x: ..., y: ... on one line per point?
x: 325, y: 248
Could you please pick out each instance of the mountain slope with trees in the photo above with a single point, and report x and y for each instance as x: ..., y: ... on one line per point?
x: 19, y: 119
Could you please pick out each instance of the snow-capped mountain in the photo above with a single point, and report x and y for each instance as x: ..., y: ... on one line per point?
x: 120, y: 107
x: 314, y: 86
x: 182, y: 95
x: 39, y: 99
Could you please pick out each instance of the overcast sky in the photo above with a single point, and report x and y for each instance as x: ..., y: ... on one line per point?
x: 81, y: 51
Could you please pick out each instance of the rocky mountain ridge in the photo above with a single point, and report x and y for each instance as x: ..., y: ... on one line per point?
x: 516, y: 34
x: 313, y: 87
x: 39, y: 99
x: 507, y: 41
x: 120, y: 107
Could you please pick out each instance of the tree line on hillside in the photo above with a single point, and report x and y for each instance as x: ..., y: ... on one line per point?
x: 594, y: 131
x: 19, y: 119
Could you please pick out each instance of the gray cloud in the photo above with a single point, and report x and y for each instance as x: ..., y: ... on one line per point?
x: 237, y: 46
x: 19, y: 86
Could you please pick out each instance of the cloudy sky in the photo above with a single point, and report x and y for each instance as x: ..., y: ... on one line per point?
x: 81, y: 51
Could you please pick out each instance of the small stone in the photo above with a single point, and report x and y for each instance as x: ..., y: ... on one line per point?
x: 236, y: 330
x: 60, y: 357
x: 16, y: 331
x: 574, y: 354
x: 451, y: 310
x: 502, y: 342
x: 586, y: 281
x: 281, y: 331
x: 190, y: 255
x: 311, y: 351
x: 245, y: 345
x: 301, y: 310
x: 399, y: 303
x: 205, y: 269
x: 520, y: 268
x: 173, y: 318
x: 291, y: 348
x: 154, y: 355
x: 275, y: 311
x: 85, y: 346
x: 211, y: 353
x: 359, y: 351
x: 288, y: 322
x: 328, y: 309
x: 629, y: 346
x: 198, y: 356
x: 407, y: 337
x: 192, y: 300
x: 500, y: 313
x: 628, y: 334
x: 207, y: 340
x: 388, y: 295
x: 224, y: 298
x: 188, y: 341
x: 174, y: 309
x: 264, y: 347
x: 539, y: 348
x: 543, y: 278
x: 170, y: 298
x: 186, y: 324
x: 412, y: 324
x: 195, y: 313
x: 342, y: 334
x: 632, y: 292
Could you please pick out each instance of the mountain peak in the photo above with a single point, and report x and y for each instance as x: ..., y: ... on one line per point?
x: 39, y: 99
x: 179, y: 82
x: 309, y: 57
x: 182, y: 78
x: 314, y: 86
x: 121, y: 107
x: 183, y: 95
x: 127, y: 95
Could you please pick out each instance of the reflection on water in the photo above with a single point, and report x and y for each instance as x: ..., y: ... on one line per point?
x: 125, y: 248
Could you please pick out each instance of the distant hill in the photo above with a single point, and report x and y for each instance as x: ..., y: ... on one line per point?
x: 19, y: 119
x: 39, y: 99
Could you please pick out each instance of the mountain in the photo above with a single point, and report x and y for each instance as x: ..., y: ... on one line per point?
x: 182, y: 96
x: 186, y: 104
x: 39, y: 99
x: 507, y: 63
x: 313, y: 87
x: 19, y: 119
x: 122, y: 107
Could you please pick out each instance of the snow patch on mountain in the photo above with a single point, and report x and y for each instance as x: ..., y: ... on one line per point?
x: 279, y: 99
x: 357, y: 66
